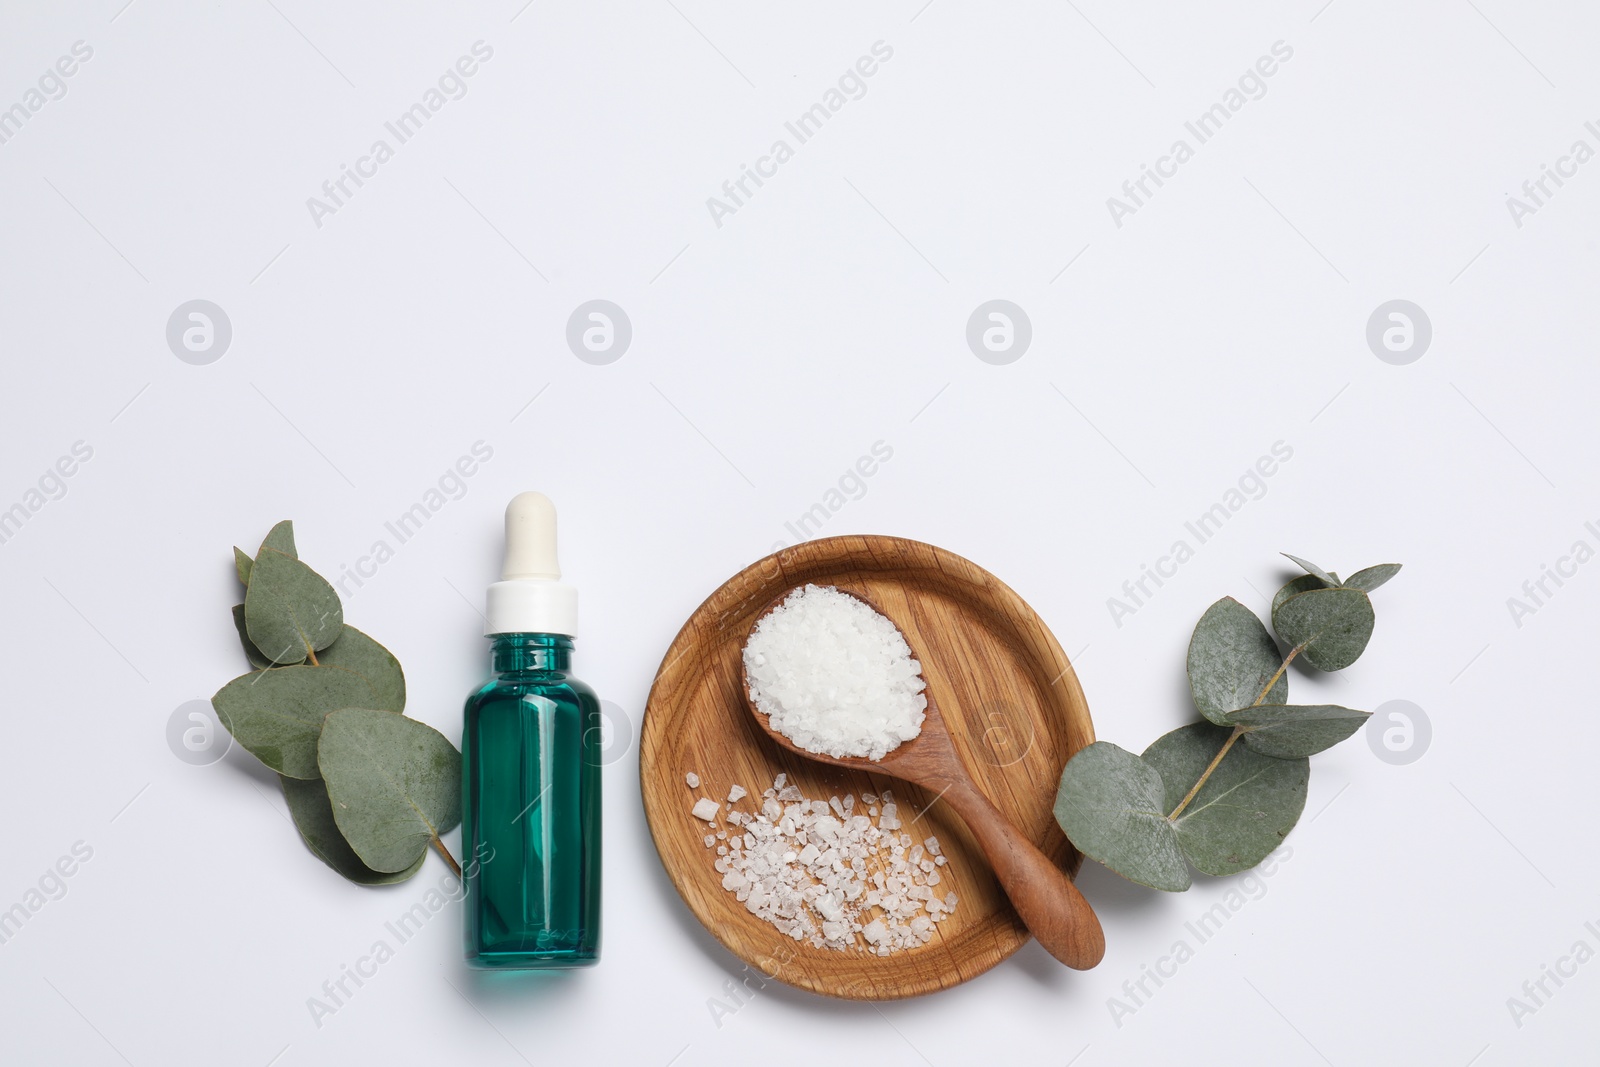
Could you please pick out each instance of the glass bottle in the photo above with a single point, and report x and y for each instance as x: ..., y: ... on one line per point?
x: 531, y: 750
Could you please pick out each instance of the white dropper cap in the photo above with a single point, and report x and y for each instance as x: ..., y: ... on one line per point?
x: 530, y: 597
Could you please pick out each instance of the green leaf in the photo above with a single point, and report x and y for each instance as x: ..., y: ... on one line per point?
x: 313, y: 817
x: 1369, y: 579
x: 277, y: 714
x: 395, y: 784
x: 1247, y: 806
x: 1289, y: 731
x: 1303, y: 584
x: 257, y: 658
x: 281, y: 539
x: 355, y: 651
x: 289, y: 610
x: 1109, y: 805
x: 241, y: 566
x: 1334, y: 625
x: 1311, y: 568
x: 1231, y: 659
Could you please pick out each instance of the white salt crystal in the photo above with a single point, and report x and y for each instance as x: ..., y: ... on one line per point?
x: 834, y: 676
x: 705, y: 808
x: 802, y: 866
x: 692, y: 780
x: 736, y: 794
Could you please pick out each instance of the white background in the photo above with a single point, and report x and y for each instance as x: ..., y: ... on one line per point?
x: 769, y: 353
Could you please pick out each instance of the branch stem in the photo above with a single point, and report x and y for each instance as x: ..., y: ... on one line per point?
x: 445, y: 852
x: 1293, y: 652
x: 1238, y: 732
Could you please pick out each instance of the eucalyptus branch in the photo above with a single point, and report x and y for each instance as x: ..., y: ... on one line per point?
x: 1253, y: 746
x: 368, y: 788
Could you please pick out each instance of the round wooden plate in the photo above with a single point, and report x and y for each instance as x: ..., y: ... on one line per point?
x: 1014, y: 709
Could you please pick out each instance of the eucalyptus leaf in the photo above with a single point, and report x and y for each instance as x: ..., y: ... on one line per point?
x: 1370, y: 578
x: 1109, y: 805
x: 1231, y: 659
x: 394, y: 782
x: 281, y: 539
x: 289, y: 610
x: 1289, y: 731
x: 313, y: 817
x: 241, y: 566
x: 1242, y: 812
x: 355, y: 651
x: 277, y: 714
x: 1303, y: 584
x: 1311, y: 568
x: 257, y: 658
x: 1334, y: 625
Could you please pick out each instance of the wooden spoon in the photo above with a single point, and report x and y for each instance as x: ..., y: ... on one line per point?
x: 1049, y: 904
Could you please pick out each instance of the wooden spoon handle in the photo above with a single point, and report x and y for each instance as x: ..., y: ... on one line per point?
x: 1050, y: 905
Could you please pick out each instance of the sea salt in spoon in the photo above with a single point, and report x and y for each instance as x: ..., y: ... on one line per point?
x: 1049, y: 904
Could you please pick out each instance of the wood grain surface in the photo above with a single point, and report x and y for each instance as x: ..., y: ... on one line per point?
x: 1009, y: 698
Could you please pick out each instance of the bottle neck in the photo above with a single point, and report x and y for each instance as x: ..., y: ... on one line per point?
x: 532, y: 652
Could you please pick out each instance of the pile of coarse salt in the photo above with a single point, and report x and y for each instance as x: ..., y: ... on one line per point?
x: 834, y: 676
x: 825, y: 875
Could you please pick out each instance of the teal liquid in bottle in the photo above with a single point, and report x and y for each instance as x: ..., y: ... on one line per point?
x: 531, y: 773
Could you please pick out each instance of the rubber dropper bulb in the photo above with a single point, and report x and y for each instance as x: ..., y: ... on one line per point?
x: 531, y: 540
